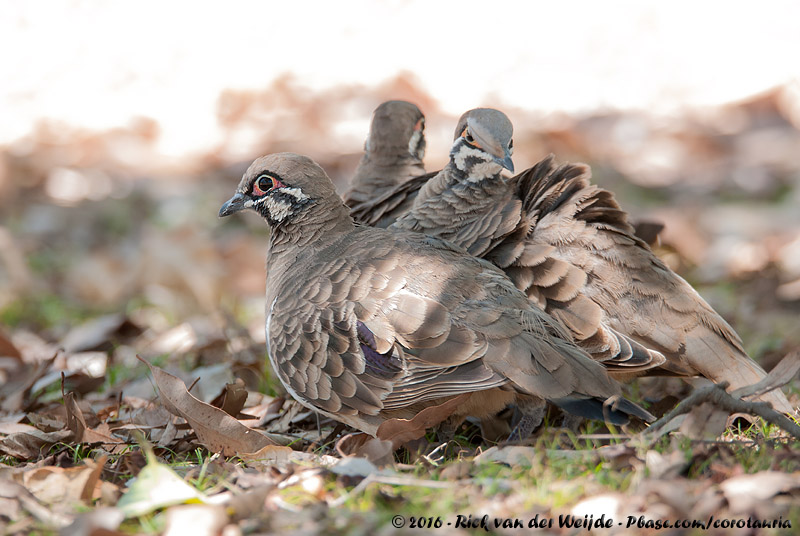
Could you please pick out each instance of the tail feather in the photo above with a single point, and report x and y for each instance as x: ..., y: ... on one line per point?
x: 725, y: 363
x: 615, y: 410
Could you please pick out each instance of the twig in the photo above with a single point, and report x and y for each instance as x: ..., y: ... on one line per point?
x: 717, y: 395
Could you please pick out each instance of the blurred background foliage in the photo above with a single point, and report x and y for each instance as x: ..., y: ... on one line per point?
x: 120, y: 141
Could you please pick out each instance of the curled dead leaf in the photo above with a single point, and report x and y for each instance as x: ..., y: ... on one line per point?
x: 401, y: 431
x: 232, y: 398
x: 77, y: 424
x: 216, y: 430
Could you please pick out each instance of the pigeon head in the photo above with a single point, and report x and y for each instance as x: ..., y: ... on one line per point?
x: 483, y: 143
x: 397, y: 130
x: 281, y: 187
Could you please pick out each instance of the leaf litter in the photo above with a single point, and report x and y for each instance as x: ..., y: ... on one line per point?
x: 135, y: 394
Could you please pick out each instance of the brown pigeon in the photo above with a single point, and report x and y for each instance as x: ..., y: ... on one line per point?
x: 569, y: 246
x: 366, y: 324
x: 393, y: 152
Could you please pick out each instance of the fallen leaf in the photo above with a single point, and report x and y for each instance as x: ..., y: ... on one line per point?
x: 216, y: 430
x: 250, y: 503
x: 663, y: 466
x: 743, y: 491
x: 401, y: 431
x: 8, y: 428
x: 348, y: 444
x: 64, y: 487
x: 208, y: 381
x: 15, y: 391
x: 195, y: 519
x: 378, y: 451
x: 705, y: 421
x: 282, y: 457
x: 97, y: 333
x: 77, y: 424
x: 361, y: 445
x: 354, y: 466
x: 89, y: 363
x: 28, y: 445
x: 102, y: 521
x: 512, y: 455
x: 156, y: 486
x: 17, y: 492
x: 7, y: 348
x: 232, y: 398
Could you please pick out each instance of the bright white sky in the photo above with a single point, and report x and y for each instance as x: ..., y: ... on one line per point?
x: 97, y: 64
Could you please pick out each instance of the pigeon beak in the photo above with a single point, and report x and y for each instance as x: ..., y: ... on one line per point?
x: 234, y: 204
x: 506, y: 162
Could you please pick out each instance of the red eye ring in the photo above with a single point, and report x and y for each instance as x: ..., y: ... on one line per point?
x: 266, y: 183
x: 470, y: 139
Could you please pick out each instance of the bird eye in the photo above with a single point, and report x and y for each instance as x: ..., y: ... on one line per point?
x: 265, y: 183
x: 511, y: 144
x: 420, y: 126
x: 468, y: 137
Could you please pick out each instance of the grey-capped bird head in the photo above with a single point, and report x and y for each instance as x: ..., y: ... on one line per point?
x: 281, y: 187
x: 397, y: 130
x: 483, y: 136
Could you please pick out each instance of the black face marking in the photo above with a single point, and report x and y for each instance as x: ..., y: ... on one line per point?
x: 282, y: 204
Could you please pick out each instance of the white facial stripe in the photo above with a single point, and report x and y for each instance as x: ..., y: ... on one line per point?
x: 278, y: 208
x: 297, y: 193
x: 487, y: 168
x: 413, y: 143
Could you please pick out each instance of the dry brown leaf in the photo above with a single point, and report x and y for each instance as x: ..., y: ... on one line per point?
x: 513, y: 455
x: 97, y: 333
x: 705, y: 421
x: 352, y: 466
x: 102, y: 521
x: 7, y: 348
x: 64, y: 487
x: 215, y: 429
x: 250, y: 503
x: 8, y: 428
x: 15, y: 391
x: 232, y: 398
x: 28, y: 445
x: 378, y: 451
x: 401, y: 431
x: 14, y: 491
x: 663, y: 466
x: 742, y: 492
x: 282, y: 457
x: 77, y: 424
x: 348, y: 444
x: 363, y: 445
x: 96, y: 467
x: 394, y: 433
x: 283, y: 423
